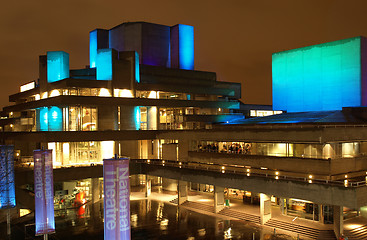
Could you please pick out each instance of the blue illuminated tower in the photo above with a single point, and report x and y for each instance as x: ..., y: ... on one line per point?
x: 156, y: 45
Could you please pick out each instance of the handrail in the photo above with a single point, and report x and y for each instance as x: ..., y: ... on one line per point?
x: 248, y: 172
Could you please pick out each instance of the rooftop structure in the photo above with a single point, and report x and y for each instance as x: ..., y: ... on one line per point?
x: 321, y: 77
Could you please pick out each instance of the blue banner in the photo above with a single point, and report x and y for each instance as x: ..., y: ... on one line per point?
x: 7, y: 186
x: 44, y: 192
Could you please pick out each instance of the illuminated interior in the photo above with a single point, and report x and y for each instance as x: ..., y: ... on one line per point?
x: 27, y: 86
x: 79, y: 153
x: 125, y: 93
x: 303, y: 150
x: 81, y: 119
x: 263, y: 113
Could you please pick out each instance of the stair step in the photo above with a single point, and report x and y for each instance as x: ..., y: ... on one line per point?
x: 240, y: 215
x: 326, y: 235
x: 295, y: 228
x: 302, y: 230
x: 200, y: 206
x: 174, y: 201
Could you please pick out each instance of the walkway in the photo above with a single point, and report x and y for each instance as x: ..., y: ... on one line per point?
x: 292, y: 226
x: 355, y: 228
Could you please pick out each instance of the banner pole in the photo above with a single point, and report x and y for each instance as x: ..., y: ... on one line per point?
x: 8, y: 230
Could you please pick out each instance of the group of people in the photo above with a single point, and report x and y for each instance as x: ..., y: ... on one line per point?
x: 234, y: 148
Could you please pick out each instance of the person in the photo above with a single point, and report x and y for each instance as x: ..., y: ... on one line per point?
x: 342, y: 237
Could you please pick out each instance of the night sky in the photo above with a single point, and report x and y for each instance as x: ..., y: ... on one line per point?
x: 234, y: 38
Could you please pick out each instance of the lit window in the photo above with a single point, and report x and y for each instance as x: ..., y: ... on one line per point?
x: 54, y: 93
x: 152, y: 94
x: 125, y: 93
x: 104, y: 92
x: 44, y: 95
x: 27, y: 86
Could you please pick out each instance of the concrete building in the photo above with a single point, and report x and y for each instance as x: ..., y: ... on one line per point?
x: 141, y: 97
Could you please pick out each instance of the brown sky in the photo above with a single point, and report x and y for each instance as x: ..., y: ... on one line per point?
x: 234, y: 38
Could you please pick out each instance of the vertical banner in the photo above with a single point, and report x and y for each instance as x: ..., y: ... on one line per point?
x: 44, y: 192
x: 7, y: 186
x: 116, y: 199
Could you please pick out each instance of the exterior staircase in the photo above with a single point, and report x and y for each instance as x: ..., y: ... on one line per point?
x: 240, y: 215
x: 174, y: 201
x: 357, y: 233
x: 308, y: 232
x: 199, y: 206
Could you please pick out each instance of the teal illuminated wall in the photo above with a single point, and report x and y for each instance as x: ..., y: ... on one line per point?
x: 57, y: 66
x: 104, y: 64
x: 50, y: 119
x: 137, y: 117
x: 318, y: 78
x: 43, y: 119
x: 182, y: 47
x: 137, y: 68
x: 186, y: 48
x: 92, y: 48
x: 54, y: 119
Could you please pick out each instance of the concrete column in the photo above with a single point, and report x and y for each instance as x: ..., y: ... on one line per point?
x: 153, y: 149
x: 129, y: 148
x: 95, y: 190
x: 148, y: 186
x: 107, y: 118
x: 265, y: 208
x: 152, y: 118
x: 129, y: 118
x: 169, y: 151
x: 281, y: 205
x: 338, y: 220
x: 321, y: 214
x: 218, y: 199
x: 183, y: 150
x: 182, y: 192
x: 169, y: 184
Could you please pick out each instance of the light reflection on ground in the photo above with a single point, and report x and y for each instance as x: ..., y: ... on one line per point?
x: 150, y: 219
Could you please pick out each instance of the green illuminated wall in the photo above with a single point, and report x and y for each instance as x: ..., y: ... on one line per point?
x: 321, y: 77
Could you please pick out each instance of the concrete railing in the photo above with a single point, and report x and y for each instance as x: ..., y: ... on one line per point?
x: 255, y: 172
x: 328, y: 169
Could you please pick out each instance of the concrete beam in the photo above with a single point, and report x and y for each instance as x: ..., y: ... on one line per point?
x: 318, y: 193
x: 69, y: 174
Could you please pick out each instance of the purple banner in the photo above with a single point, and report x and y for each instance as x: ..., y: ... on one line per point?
x: 44, y: 192
x: 116, y: 199
x: 7, y: 187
